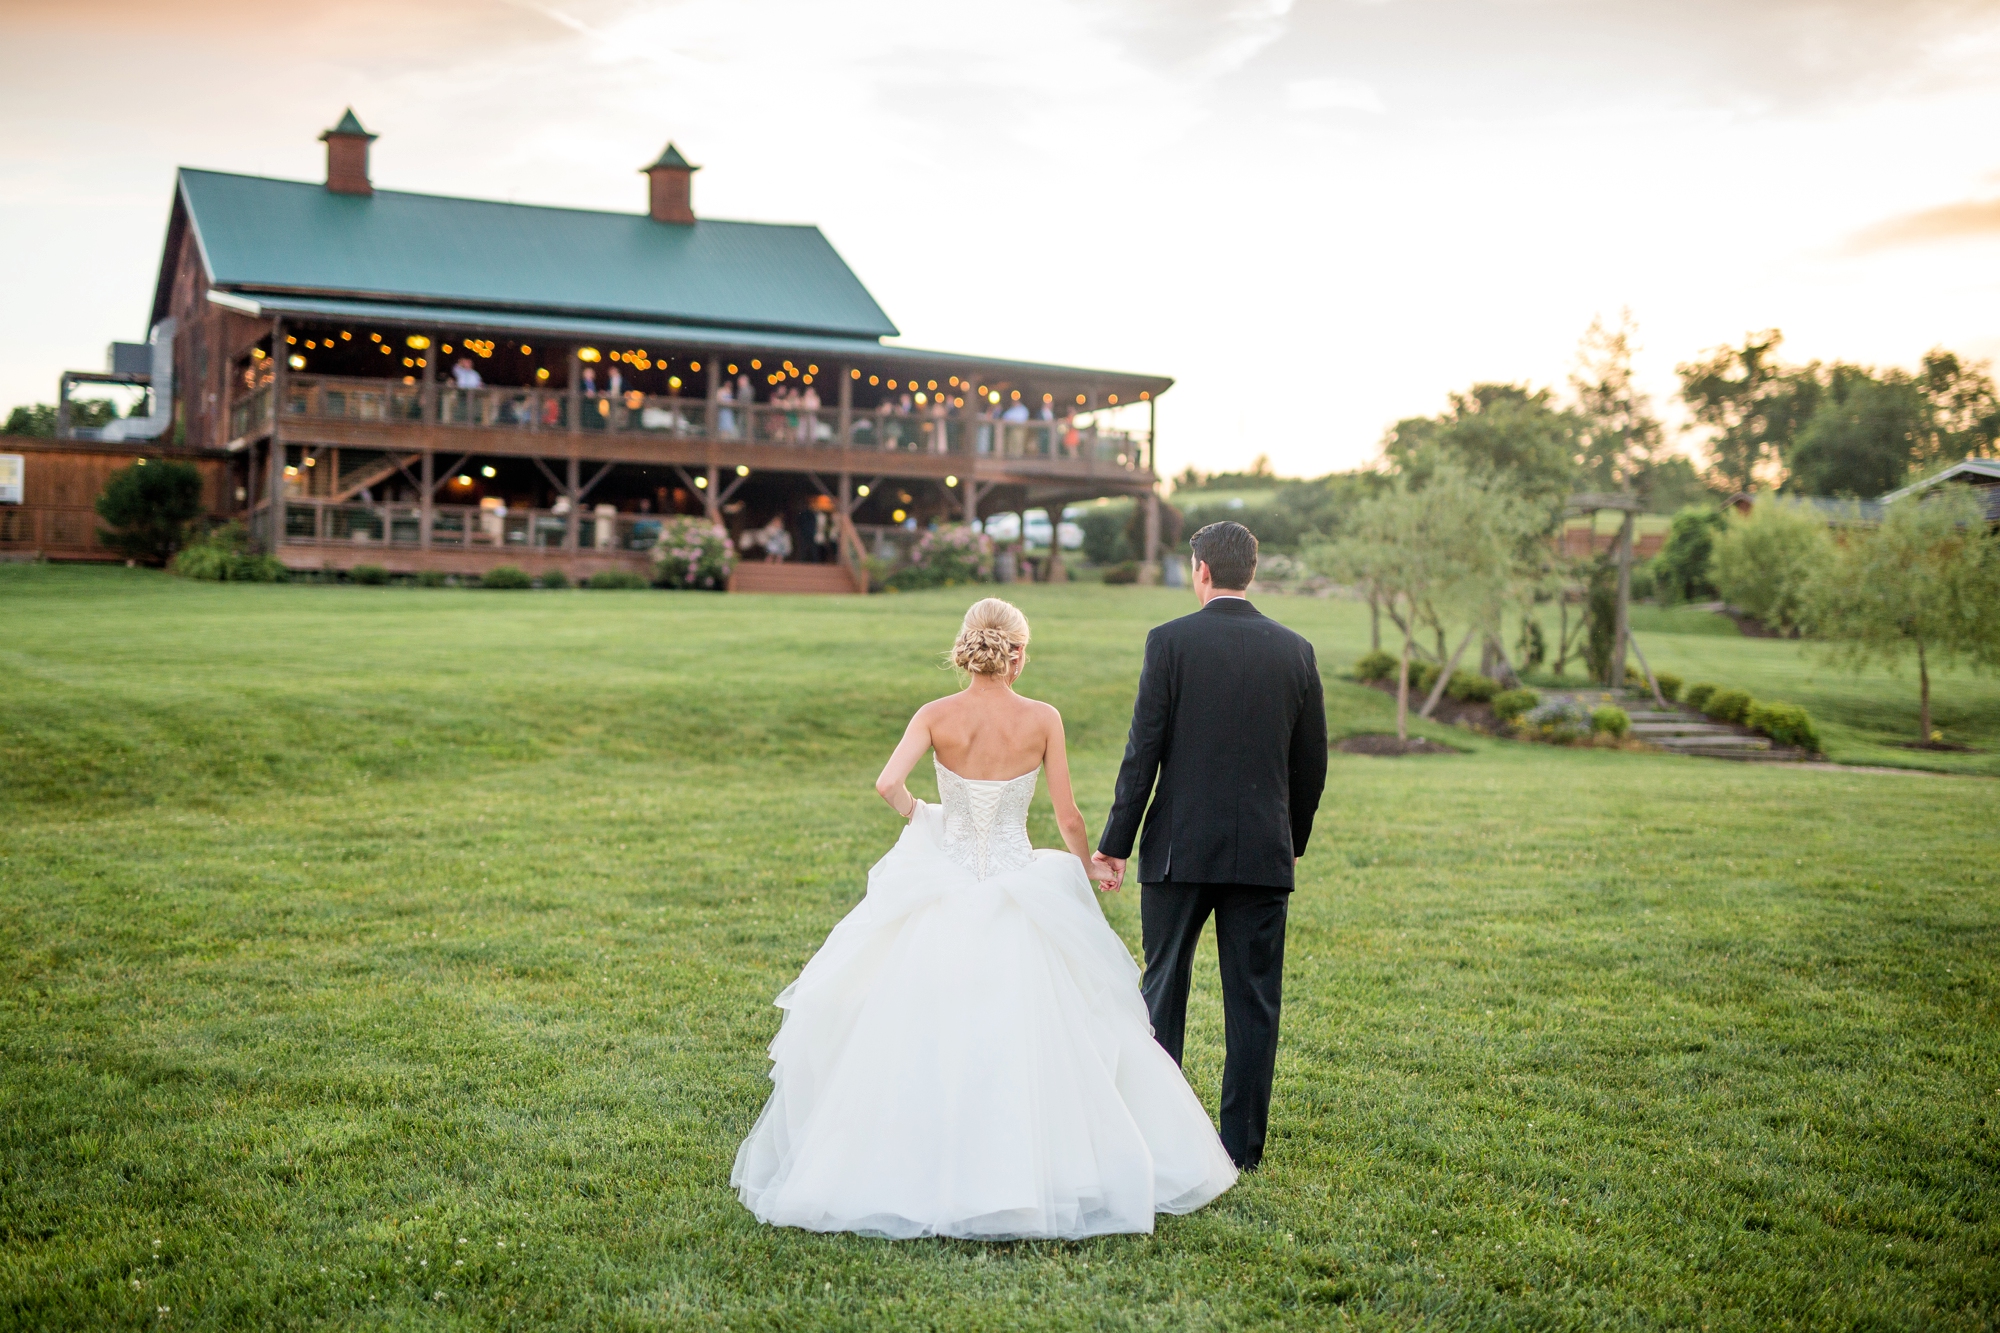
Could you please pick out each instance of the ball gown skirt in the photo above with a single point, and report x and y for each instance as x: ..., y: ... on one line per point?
x: 968, y: 1054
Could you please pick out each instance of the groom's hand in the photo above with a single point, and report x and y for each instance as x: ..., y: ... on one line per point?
x: 1112, y: 870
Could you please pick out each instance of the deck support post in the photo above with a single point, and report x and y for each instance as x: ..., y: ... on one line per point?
x: 711, y: 498
x: 573, y: 480
x: 274, y: 479
x: 427, y: 514
x: 846, y: 406
x: 1624, y: 627
x: 1149, y: 567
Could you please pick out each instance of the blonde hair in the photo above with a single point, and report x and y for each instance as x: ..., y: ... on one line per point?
x: 993, y: 629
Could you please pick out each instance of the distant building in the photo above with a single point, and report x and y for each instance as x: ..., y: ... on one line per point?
x: 426, y: 382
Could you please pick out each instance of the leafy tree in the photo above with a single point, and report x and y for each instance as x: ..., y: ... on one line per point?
x: 1925, y: 582
x: 1104, y: 533
x: 1768, y: 562
x: 1864, y: 436
x: 1450, y: 549
x: 1620, y: 438
x: 1965, y: 409
x: 1743, y: 395
x: 1680, y: 570
x: 40, y: 419
x: 149, y: 506
x: 1508, y: 432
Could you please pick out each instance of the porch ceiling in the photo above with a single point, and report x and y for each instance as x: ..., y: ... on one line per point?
x: 863, y: 352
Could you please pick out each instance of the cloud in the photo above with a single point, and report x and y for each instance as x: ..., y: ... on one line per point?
x: 1333, y: 95
x: 1966, y: 220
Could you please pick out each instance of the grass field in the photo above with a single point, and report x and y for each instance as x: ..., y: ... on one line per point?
x: 396, y: 958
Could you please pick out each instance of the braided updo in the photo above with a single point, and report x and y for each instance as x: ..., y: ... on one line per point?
x: 993, y: 629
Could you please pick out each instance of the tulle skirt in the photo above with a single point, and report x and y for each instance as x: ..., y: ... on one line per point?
x: 972, y: 1058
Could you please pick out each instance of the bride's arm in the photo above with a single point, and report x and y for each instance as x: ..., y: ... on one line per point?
x: 1069, y: 819
x: 890, y: 786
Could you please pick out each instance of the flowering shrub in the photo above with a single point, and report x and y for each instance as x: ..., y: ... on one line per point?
x: 1561, y: 722
x: 945, y: 556
x: 1510, y: 704
x: 1612, y: 720
x: 693, y: 553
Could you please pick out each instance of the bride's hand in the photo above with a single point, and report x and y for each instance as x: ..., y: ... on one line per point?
x: 1107, y: 874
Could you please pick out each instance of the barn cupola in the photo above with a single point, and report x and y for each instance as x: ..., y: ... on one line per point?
x: 669, y: 193
x: 347, y: 156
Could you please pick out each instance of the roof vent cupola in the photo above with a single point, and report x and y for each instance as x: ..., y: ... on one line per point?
x: 668, y: 188
x: 347, y: 156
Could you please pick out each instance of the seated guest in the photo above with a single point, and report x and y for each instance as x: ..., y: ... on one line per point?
x: 464, y: 375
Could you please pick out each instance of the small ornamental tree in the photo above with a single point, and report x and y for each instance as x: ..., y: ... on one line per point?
x: 1766, y: 563
x: 149, y: 507
x: 1925, y: 583
x: 693, y: 553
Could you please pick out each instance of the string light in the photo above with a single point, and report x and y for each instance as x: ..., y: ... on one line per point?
x: 1017, y: 395
x: 931, y: 385
x: 694, y: 365
x: 345, y: 336
x: 406, y: 361
x: 861, y: 491
x: 527, y: 350
x: 293, y: 340
x: 732, y: 369
x: 489, y: 471
x: 541, y: 374
x: 950, y: 481
x: 1048, y: 398
x: 993, y: 397
x: 1144, y: 394
x: 384, y: 349
x: 374, y: 337
x: 297, y: 363
x: 1079, y: 400
x: 921, y: 400
x: 256, y: 354
x: 855, y: 375
x: 742, y: 470
x: 446, y: 349
x: 417, y: 342
x: 673, y: 381
x: 892, y: 384
x: 872, y: 379
x: 898, y: 515
x: 588, y: 354
x: 812, y: 370
x: 756, y: 365
x: 1114, y: 397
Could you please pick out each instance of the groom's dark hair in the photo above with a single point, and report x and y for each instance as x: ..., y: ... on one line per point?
x: 1230, y: 552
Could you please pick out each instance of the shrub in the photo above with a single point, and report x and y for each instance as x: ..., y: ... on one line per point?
x: 1766, y: 564
x: 1423, y: 675
x: 1728, y: 705
x: 1612, y: 720
x: 433, y: 578
x: 506, y: 576
x: 1669, y: 683
x: 614, y: 580
x: 553, y: 578
x: 1376, y: 666
x: 693, y: 553
x: 1560, y: 723
x: 1680, y: 570
x: 1787, y: 724
x: 150, y: 506
x: 221, y: 555
x: 946, y: 556
x: 1511, y: 704
x: 1697, y: 694
x: 1124, y: 572
x: 1469, y: 687
x: 372, y: 575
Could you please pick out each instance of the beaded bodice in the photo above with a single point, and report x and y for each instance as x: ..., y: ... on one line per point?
x: 986, y: 822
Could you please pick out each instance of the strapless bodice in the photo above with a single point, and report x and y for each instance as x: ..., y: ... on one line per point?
x: 986, y: 822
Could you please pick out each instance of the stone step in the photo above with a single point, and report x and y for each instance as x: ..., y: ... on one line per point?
x: 1711, y: 741
x: 1774, y: 755
x: 1690, y: 727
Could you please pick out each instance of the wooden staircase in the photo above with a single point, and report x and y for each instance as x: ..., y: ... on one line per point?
x: 756, y: 576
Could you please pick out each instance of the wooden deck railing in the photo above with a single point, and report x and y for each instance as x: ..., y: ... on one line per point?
x: 955, y: 434
x: 462, y: 527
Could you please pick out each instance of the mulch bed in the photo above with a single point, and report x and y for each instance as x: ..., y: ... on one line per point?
x: 1951, y: 746
x: 1390, y: 745
x: 1475, y: 717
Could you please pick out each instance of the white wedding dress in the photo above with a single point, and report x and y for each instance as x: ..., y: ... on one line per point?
x: 968, y: 1054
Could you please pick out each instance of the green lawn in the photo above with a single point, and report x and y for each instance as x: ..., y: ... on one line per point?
x: 390, y: 957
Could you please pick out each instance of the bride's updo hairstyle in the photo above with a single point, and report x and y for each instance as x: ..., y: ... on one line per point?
x: 993, y: 629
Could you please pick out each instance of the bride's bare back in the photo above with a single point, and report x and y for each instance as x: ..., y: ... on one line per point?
x: 988, y: 733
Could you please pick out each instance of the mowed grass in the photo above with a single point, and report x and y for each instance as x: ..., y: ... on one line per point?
x: 395, y: 958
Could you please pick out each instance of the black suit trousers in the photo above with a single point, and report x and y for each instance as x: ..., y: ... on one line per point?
x: 1250, y: 937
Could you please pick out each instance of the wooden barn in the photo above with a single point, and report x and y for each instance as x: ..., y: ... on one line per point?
x: 433, y: 383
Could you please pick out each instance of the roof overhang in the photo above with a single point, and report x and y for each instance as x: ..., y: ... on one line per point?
x: 865, y: 352
x: 1972, y: 470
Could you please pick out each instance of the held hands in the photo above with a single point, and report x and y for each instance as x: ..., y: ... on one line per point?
x: 1106, y: 872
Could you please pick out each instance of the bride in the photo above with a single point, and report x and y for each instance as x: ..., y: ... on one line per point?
x: 968, y: 1054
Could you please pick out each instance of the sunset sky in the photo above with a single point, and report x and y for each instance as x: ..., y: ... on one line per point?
x: 1318, y: 217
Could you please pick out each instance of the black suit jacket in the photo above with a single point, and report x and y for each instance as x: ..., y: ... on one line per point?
x: 1232, y: 721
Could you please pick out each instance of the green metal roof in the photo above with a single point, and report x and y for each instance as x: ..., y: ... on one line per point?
x: 863, y: 352
x: 349, y: 124
x: 263, y: 235
x: 672, y: 158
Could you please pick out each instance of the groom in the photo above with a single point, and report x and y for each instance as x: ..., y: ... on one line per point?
x: 1231, y: 722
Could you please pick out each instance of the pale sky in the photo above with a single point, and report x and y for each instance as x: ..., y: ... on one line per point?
x: 1317, y: 217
